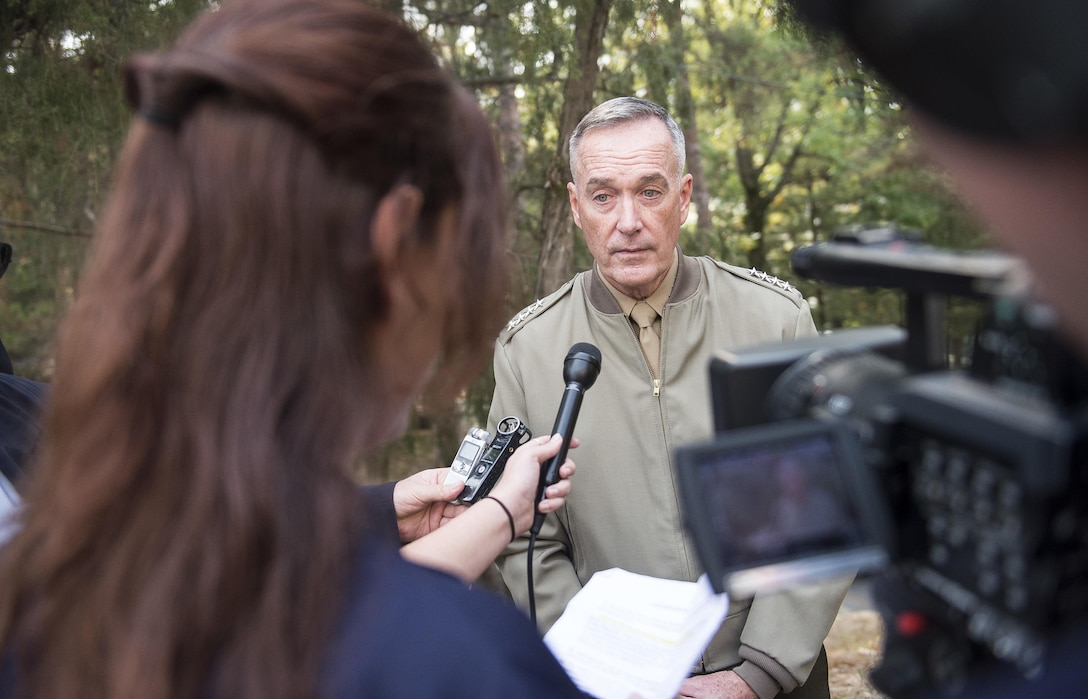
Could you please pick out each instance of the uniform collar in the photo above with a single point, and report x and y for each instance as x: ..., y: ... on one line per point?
x: 656, y: 301
x: 683, y: 279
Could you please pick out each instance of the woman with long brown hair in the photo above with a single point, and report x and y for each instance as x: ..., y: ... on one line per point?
x: 305, y: 230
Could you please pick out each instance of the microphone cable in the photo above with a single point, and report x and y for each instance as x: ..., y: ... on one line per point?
x: 529, y: 577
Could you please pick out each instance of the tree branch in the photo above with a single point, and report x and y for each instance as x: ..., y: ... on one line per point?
x: 43, y: 228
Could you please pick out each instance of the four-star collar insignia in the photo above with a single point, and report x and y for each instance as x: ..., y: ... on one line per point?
x: 771, y: 279
x: 525, y: 313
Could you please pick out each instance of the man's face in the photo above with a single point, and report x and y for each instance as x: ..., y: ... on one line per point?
x: 629, y: 203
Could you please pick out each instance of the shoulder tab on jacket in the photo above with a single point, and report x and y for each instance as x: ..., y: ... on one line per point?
x: 763, y: 279
x: 534, y: 310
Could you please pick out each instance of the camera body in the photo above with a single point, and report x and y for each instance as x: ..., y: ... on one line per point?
x: 481, y: 458
x: 981, y: 472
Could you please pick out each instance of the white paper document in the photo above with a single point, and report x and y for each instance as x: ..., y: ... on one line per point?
x: 627, y: 635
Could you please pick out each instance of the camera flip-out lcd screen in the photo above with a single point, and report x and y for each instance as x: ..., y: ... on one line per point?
x: 781, y: 504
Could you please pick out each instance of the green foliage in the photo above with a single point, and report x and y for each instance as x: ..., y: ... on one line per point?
x: 62, y: 119
x: 797, y: 138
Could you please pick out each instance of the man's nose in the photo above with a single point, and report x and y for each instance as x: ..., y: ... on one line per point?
x: 630, y: 216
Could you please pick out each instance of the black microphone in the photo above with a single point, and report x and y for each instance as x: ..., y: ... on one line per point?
x: 580, y: 370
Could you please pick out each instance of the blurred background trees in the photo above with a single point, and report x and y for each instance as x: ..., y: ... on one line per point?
x: 62, y: 118
x: 789, y: 140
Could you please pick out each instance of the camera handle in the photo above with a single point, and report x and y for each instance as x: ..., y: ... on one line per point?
x: 893, y: 258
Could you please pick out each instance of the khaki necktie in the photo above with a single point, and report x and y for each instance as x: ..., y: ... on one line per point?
x: 644, y: 315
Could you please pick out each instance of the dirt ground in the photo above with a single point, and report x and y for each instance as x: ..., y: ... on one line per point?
x: 853, y: 648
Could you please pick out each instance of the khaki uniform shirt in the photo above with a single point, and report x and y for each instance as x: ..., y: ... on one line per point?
x: 624, y: 508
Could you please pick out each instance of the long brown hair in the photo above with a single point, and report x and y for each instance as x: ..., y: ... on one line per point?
x: 190, y: 522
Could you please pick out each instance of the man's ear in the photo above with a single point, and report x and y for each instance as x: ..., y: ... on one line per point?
x: 394, y: 221
x: 572, y: 195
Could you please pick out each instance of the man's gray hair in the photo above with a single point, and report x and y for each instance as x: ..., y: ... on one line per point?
x: 622, y: 110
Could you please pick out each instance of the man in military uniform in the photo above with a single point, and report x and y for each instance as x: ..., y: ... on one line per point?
x: 630, y: 196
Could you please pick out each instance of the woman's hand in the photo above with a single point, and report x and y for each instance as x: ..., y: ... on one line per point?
x: 517, y: 487
x: 469, y: 544
x: 422, y: 503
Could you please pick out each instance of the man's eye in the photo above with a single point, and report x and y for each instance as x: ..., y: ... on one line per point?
x: 651, y: 193
x: 601, y: 198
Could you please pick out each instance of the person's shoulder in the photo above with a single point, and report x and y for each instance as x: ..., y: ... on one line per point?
x: 536, y: 310
x: 22, y: 389
x: 757, y: 277
x: 406, y: 628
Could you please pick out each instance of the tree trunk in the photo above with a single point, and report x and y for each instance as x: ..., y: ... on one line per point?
x: 509, y: 128
x: 757, y: 198
x: 755, y: 219
x: 512, y: 146
x: 755, y: 204
x: 685, y: 115
x: 558, y: 228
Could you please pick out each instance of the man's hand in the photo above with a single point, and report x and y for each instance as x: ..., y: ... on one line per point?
x: 422, y: 503
x: 717, y: 685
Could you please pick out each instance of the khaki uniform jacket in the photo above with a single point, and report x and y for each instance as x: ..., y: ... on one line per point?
x: 624, y: 510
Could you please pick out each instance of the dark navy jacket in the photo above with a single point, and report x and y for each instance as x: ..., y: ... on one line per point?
x: 20, y: 406
x: 409, y: 631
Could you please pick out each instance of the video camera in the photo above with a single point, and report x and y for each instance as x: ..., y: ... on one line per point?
x: 964, y: 490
